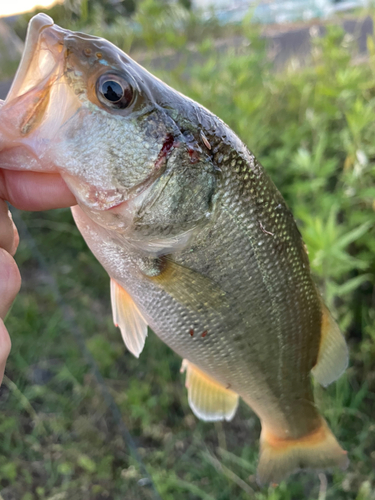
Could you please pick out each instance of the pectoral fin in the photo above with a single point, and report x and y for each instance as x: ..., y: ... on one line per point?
x: 196, y: 292
x: 333, y: 352
x: 208, y: 399
x: 128, y: 318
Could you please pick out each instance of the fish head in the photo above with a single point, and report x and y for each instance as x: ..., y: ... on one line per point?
x: 82, y: 107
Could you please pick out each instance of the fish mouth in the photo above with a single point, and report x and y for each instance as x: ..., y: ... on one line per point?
x: 35, y: 106
x: 30, y: 69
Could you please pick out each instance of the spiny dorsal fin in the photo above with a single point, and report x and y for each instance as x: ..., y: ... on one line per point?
x: 333, y: 351
x: 128, y: 318
x: 208, y: 399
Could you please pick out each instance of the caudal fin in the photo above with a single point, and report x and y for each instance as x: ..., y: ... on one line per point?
x: 281, y: 457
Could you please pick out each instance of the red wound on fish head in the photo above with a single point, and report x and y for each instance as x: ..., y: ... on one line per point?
x: 194, y: 155
x: 167, y: 146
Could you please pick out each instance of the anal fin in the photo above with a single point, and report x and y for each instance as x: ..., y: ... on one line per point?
x: 333, y: 351
x: 208, y: 399
x: 128, y: 318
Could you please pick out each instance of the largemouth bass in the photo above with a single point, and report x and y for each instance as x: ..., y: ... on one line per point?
x: 198, y: 242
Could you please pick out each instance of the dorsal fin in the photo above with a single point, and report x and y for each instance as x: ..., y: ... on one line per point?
x: 128, y: 318
x: 333, y: 351
x: 208, y: 399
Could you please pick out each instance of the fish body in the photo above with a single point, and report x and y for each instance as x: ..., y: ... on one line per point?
x: 197, y: 240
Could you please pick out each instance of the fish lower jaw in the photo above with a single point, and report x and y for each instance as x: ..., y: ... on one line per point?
x: 118, y: 208
x: 104, y: 218
x: 91, y: 196
x: 24, y: 158
x: 103, y: 205
x: 112, y: 214
x: 111, y: 208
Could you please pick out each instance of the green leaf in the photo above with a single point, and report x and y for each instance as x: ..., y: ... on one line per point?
x: 352, y: 284
x: 353, y: 235
x: 86, y: 463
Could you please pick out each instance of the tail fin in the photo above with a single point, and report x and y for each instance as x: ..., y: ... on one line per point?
x: 281, y: 457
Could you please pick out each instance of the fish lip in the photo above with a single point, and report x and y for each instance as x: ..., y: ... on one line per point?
x: 36, y: 26
x: 43, y: 57
x: 27, y: 105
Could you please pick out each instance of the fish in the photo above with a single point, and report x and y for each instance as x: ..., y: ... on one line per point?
x: 198, y: 242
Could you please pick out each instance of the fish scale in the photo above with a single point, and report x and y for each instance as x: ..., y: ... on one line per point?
x: 198, y: 242
x: 262, y: 238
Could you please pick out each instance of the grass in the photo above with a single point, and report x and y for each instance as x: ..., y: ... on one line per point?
x: 313, y: 130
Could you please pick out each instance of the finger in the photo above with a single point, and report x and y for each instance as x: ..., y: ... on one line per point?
x: 35, y: 190
x: 16, y: 236
x: 8, y: 231
x: 10, y: 281
x: 5, y: 345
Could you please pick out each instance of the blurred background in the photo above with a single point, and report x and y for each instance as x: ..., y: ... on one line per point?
x: 80, y: 418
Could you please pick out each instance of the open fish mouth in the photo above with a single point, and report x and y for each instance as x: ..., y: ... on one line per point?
x: 43, y: 50
x: 39, y: 100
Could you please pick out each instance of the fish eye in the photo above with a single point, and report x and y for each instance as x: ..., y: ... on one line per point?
x: 114, y: 91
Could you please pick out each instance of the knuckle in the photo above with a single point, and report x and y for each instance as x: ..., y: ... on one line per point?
x: 5, y: 342
x: 16, y: 240
x: 8, y: 231
x: 10, y: 278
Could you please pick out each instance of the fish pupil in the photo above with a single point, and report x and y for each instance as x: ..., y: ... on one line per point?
x: 112, y: 91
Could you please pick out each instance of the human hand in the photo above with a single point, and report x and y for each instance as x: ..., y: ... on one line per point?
x: 26, y: 191
x: 10, y: 279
